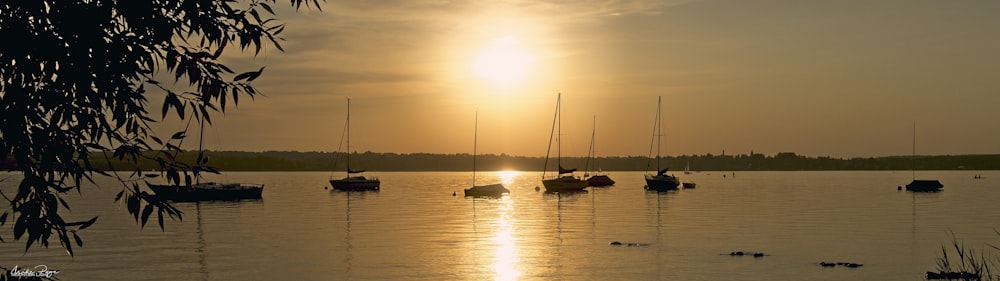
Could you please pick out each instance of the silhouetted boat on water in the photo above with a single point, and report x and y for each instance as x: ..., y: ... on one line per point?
x: 205, y: 191
x: 352, y: 182
x: 490, y: 190
x: 689, y: 185
x: 561, y: 183
x: 920, y: 185
x: 661, y: 181
x: 596, y: 179
x: 208, y: 191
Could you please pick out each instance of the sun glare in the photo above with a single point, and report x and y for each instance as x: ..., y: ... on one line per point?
x: 503, y: 63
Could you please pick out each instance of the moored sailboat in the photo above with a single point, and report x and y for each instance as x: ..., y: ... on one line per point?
x: 564, y: 180
x: 354, y: 181
x: 490, y: 190
x: 916, y: 185
x: 597, y: 179
x: 204, y: 191
x: 660, y: 181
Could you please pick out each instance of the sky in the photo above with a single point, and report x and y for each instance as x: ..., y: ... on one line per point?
x: 819, y: 78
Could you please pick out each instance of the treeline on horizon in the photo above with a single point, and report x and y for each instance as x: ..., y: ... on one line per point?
x: 373, y: 161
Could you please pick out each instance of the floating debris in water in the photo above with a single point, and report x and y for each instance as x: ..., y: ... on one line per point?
x: 742, y: 253
x: 844, y: 264
x: 617, y: 243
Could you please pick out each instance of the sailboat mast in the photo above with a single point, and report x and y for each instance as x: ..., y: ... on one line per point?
x: 548, y: 149
x: 475, y: 144
x: 348, y: 137
x: 201, y: 142
x: 659, y: 132
x: 913, y: 156
x: 591, y: 154
x: 559, y: 132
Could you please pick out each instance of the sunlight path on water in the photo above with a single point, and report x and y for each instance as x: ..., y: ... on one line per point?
x: 506, y: 254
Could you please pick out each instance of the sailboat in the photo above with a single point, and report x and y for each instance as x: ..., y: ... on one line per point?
x: 920, y: 185
x: 661, y: 181
x: 490, y: 190
x: 352, y: 182
x: 598, y: 179
x: 561, y: 183
x: 687, y: 168
x: 203, y: 191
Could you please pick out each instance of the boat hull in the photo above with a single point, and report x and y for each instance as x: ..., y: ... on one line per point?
x: 689, y: 185
x: 662, y: 183
x: 207, y: 191
x: 356, y: 184
x: 600, y: 181
x: 924, y: 186
x: 566, y: 183
x: 492, y: 190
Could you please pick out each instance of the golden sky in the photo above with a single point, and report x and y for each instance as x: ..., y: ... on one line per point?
x: 819, y: 78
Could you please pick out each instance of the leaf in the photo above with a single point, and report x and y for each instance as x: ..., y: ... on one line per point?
x: 64, y: 239
x: 242, y: 76
x: 257, y: 73
x: 63, y: 202
x: 178, y: 135
x: 79, y: 242
x: 88, y: 223
x: 148, y: 210
x: 20, y: 226
x: 159, y: 218
x: 267, y: 7
x: 119, y: 196
x: 3, y: 218
x: 157, y: 140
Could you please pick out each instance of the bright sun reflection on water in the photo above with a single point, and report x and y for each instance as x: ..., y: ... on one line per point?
x: 507, y: 177
x: 507, y: 258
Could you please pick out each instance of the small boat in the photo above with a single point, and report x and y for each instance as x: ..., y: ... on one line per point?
x: 916, y: 185
x: 598, y: 179
x: 687, y: 168
x: 924, y: 186
x: 490, y: 190
x: 689, y: 185
x: 204, y: 191
x: 208, y: 191
x: 661, y: 181
x: 353, y: 183
x: 564, y: 180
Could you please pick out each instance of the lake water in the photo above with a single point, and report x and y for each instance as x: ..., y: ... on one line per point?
x: 415, y: 229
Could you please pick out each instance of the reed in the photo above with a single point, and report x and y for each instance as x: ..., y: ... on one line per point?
x: 961, y: 262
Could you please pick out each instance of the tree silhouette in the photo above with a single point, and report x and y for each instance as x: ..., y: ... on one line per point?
x: 74, y: 82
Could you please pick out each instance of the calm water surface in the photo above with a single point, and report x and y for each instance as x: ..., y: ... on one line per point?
x: 415, y: 229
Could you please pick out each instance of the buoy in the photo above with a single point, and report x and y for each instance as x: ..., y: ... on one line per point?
x: 325, y: 188
x: 536, y: 188
x: 453, y: 193
x: 899, y: 187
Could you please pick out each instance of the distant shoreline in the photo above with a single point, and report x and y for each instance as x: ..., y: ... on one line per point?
x: 416, y: 162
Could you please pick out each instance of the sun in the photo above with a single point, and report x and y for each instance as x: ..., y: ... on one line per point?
x: 503, y: 63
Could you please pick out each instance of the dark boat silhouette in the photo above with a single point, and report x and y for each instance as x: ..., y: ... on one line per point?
x: 205, y: 191
x: 597, y: 179
x: 561, y: 183
x: 661, y: 181
x: 351, y: 182
x: 920, y: 185
x: 490, y: 190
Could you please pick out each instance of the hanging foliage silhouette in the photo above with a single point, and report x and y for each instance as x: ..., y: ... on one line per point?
x: 78, y: 83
